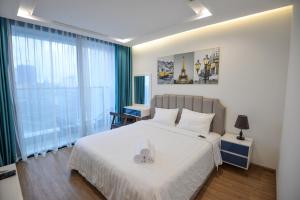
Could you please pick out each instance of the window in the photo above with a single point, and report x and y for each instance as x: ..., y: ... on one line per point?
x: 63, y: 86
x: 99, y: 84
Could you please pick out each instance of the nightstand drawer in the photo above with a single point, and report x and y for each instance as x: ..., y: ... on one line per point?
x: 132, y: 112
x: 234, y: 159
x: 235, y: 148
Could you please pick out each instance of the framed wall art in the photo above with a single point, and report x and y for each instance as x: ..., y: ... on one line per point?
x: 198, y: 67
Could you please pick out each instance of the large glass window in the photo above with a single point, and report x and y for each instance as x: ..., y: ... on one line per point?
x: 63, y: 87
x: 98, y: 61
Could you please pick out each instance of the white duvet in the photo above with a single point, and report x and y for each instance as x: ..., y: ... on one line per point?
x: 182, y: 162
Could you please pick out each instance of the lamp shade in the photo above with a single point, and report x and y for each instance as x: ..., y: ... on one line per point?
x: 242, y: 122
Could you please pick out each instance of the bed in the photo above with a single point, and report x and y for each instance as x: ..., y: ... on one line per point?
x: 182, y: 161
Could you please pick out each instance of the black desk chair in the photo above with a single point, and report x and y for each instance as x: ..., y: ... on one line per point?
x: 123, y: 120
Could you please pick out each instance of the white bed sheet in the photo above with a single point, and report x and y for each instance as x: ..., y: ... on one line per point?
x: 182, y: 162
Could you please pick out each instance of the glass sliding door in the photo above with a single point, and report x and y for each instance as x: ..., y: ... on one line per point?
x: 98, y: 61
x: 63, y: 87
x: 46, y: 89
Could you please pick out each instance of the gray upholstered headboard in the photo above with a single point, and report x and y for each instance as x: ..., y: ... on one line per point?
x: 195, y: 103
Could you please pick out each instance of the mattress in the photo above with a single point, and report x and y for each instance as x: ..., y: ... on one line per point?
x: 182, y: 162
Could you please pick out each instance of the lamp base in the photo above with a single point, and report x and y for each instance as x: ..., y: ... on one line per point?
x: 241, y: 136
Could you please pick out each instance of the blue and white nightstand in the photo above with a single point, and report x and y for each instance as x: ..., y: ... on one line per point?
x: 236, y: 152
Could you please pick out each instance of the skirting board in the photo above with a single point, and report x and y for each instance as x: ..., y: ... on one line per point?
x: 266, y: 168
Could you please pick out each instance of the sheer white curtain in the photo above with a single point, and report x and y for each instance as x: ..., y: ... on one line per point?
x: 63, y: 86
x: 98, y: 61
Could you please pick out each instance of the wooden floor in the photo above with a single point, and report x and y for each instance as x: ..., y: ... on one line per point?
x: 47, y: 178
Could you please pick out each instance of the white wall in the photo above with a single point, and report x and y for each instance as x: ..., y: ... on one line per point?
x: 288, y: 177
x: 253, y: 70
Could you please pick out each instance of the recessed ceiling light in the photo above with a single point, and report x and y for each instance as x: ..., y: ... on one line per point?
x: 203, y: 13
x: 22, y: 12
x: 200, y: 10
x: 26, y: 13
x: 123, y: 40
x: 26, y: 9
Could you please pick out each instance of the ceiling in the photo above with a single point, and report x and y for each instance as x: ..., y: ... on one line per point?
x: 132, y: 21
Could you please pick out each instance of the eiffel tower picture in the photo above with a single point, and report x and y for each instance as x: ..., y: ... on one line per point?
x: 183, y: 77
x: 184, y: 62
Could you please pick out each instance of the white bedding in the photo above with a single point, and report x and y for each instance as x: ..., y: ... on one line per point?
x: 182, y: 162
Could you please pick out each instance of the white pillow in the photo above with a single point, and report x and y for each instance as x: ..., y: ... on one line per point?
x: 165, y: 116
x: 195, y: 121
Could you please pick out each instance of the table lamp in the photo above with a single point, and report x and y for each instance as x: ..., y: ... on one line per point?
x: 241, y: 123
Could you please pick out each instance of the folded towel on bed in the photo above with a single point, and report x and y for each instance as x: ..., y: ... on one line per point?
x: 145, y: 148
x: 150, y: 157
x: 138, y: 158
x: 144, y: 152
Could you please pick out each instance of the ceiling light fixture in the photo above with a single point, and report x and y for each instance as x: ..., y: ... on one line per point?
x: 26, y: 9
x: 200, y: 10
x: 203, y: 13
x: 123, y: 40
x: 23, y: 12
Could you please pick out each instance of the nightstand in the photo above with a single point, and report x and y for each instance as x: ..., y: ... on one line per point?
x: 236, y: 152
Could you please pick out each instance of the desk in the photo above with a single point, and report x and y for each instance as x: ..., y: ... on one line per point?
x: 137, y: 110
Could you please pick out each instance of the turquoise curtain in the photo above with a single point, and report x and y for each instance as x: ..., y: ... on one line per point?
x: 139, y: 89
x: 7, y: 130
x: 123, y: 77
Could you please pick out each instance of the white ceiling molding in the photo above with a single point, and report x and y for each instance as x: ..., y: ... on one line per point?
x: 26, y: 10
x: 132, y: 22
